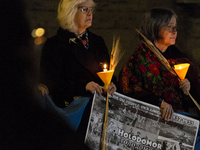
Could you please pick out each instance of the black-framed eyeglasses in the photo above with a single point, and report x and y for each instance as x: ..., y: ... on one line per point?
x: 171, y: 29
x: 85, y: 10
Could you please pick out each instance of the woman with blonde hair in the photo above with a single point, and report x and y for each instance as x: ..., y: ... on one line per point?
x: 67, y: 12
x: 71, y: 58
x: 70, y: 61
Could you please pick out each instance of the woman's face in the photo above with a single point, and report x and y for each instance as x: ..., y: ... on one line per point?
x: 168, y: 34
x: 83, y: 17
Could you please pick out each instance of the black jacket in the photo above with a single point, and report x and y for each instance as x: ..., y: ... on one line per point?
x: 66, y: 66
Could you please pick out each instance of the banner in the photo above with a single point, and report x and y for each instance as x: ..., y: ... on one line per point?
x: 135, y: 125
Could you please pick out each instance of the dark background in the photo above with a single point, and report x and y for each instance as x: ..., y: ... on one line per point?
x: 121, y: 17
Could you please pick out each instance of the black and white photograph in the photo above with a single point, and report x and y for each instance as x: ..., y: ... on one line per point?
x: 133, y: 124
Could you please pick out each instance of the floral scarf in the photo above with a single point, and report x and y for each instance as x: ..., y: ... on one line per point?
x: 145, y: 78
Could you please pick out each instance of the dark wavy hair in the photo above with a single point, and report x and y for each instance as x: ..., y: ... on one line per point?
x: 154, y: 20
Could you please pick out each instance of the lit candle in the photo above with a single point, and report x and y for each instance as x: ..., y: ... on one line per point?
x: 181, y: 70
x: 104, y: 69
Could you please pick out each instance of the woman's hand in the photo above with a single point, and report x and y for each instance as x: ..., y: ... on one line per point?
x: 166, y: 110
x: 185, y: 86
x: 92, y: 87
x: 43, y: 89
x: 110, y: 89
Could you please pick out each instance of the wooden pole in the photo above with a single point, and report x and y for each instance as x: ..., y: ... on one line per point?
x: 105, y: 123
x: 195, y: 102
x: 164, y: 62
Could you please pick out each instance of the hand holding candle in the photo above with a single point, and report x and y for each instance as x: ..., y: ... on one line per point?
x: 106, y: 76
x: 181, y: 70
x: 185, y: 86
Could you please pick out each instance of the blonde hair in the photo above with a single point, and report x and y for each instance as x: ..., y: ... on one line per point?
x: 66, y: 13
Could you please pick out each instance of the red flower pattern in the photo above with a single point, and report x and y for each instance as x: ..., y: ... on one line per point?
x: 148, y: 58
x: 154, y: 70
x: 159, y: 80
x: 142, y: 68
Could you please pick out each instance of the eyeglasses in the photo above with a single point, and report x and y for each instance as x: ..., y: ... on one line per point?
x: 171, y: 29
x: 86, y: 10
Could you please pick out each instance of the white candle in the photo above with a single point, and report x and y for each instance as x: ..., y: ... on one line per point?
x: 104, y: 69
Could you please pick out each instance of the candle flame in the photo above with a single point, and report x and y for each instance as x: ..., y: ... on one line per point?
x: 105, y: 67
x: 181, y: 70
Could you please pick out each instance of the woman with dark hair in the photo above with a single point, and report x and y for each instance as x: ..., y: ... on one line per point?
x: 145, y: 77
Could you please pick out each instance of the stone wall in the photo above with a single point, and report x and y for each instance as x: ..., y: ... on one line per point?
x: 120, y: 18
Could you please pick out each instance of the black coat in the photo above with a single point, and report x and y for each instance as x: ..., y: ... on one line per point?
x: 66, y: 66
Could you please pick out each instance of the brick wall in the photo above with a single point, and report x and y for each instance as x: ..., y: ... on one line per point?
x: 120, y: 18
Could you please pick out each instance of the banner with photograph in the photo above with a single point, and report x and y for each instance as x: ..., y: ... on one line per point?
x: 135, y: 125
